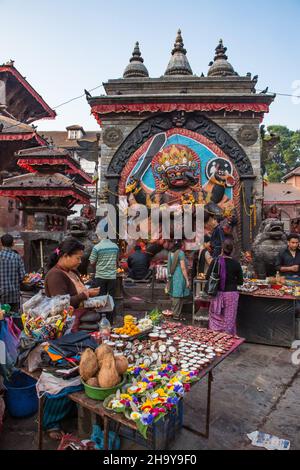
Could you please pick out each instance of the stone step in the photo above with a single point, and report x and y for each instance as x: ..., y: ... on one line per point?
x: 138, y: 306
x: 201, y: 318
x: 145, y: 292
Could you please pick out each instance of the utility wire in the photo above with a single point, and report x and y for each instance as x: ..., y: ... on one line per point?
x: 76, y: 97
x: 282, y: 94
x: 99, y: 86
x: 55, y: 107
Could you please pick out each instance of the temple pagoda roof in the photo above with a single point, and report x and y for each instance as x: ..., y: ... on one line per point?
x: 13, y: 137
x: 22, y: 100
x: 44, y: 186
x: 47, y: 159
x: 11, y: 129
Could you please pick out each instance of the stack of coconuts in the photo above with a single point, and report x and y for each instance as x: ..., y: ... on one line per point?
x: 101, y: 368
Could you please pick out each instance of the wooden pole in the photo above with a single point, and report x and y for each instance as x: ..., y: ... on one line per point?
x: 42, y: 254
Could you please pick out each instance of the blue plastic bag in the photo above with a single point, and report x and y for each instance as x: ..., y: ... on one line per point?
x: 98, y: 437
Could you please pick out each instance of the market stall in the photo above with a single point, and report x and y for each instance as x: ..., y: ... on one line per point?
x: 267, y: 312
x: 136, y: 379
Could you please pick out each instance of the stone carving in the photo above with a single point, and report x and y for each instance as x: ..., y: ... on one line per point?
x: 247, y: 135
x: 179, y: 119
x: 195, y: 122
x: 83, y: 228
x: 269, y: 241
x: 112, y: 136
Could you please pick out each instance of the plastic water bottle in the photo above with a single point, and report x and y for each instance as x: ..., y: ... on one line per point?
x: 104, y: 328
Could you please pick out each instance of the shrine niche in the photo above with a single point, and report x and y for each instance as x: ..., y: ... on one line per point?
x: 180, y: 166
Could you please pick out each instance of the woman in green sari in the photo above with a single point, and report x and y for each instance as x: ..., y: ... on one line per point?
x: 179, y: 284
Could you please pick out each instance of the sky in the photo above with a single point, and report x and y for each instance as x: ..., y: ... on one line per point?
x: 64, y: 46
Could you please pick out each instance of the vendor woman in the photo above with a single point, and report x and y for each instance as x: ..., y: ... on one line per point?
x: 63, y: 279
x: 288, y: 260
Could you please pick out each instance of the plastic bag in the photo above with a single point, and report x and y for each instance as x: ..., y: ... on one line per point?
x: 98, y: 437
x: 105, y: 303
x: 48, y: 306
x: 70, y: 442
x: 45, y: 317
x: 14, y: 330
x: 34, y: 359
x: 96, y: 302
x: 48, y: 383
x: 33, y: 302
x: 269, y: 442
x: 11, y: 344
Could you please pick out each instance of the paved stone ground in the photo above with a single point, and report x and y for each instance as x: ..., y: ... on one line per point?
x: 256, y: 388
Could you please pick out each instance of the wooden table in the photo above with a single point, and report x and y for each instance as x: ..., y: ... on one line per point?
x: 96, y: 406
x: 209, y: 372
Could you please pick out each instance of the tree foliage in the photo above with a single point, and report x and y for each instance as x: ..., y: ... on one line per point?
x: 280, y: 151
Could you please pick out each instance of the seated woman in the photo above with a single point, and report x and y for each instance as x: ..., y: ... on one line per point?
x: 62, y: 279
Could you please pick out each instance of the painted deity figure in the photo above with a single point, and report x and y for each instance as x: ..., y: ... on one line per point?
x: 176, y: 171
x: 176, y: 168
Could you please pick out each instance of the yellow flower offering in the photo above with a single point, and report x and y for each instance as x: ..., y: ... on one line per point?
x: 161, y: 392
x: 135, y: 415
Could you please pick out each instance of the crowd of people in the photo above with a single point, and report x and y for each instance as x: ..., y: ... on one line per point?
x: 215, y: 258
x: 63, y: 278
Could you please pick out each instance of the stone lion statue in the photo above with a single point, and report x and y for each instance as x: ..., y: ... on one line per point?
x: 269, y: 241
x: 80, y: 228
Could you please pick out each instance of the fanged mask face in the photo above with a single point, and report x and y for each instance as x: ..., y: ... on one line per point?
x: 177, y: 177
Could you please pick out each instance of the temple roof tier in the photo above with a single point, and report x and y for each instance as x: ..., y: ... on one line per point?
x: 21, y: 99
x: 48, y: 159
x: 44, y: 186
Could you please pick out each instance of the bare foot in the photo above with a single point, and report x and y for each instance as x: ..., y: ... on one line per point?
x: 55, y: 435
